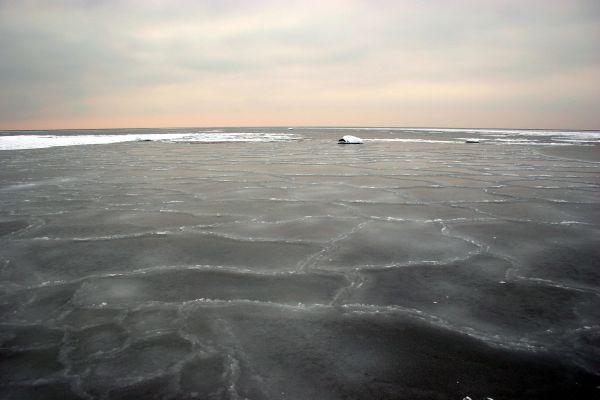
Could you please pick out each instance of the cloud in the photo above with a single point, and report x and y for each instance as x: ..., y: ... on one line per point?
x: 68, y: 62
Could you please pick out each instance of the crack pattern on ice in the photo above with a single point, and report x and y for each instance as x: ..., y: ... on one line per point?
x: 171, y: 249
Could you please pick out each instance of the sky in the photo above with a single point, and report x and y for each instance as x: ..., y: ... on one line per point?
x: 426, y: 63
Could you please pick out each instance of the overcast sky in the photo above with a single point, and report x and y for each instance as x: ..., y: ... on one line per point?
x: 493, y: 63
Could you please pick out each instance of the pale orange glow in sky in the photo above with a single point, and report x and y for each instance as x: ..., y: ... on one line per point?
x: 101, y: 64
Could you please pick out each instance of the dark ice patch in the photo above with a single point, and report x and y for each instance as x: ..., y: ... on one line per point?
x: 38, y: 305
x: 399, y: 242
x: 205, y: 378
x: 9, y: 227
x: 142, y: 361
x: 153, y: 320
x: 29, y: 336
x: 161, y: 387
x: 309, y: 229
x: 95, y: 341
x: 25, y: 365
x: 566, y: 253
x: 474, y: 294
x: 331, y: 355
x: 413, y: 211
x: 542, y: 211
x: 39, y: 391
x: 41, y: 260
x: 179, y: 285
x: 102, y: 223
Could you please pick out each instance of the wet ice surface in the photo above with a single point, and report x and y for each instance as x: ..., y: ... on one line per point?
x: 300, y: 269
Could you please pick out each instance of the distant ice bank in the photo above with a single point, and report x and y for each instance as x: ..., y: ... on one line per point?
x: 349, y: 139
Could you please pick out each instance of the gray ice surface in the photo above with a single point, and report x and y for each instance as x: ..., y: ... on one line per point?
x: 301, y: 269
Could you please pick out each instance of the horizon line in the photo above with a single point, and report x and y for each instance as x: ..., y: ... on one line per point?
x: 303, y: 127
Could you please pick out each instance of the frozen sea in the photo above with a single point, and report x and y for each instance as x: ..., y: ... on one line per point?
x: 273, y: 263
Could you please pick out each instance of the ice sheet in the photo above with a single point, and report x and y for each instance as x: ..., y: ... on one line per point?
x: 299, y: 268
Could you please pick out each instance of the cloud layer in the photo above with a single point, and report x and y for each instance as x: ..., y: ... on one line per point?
x: 224, y: 63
